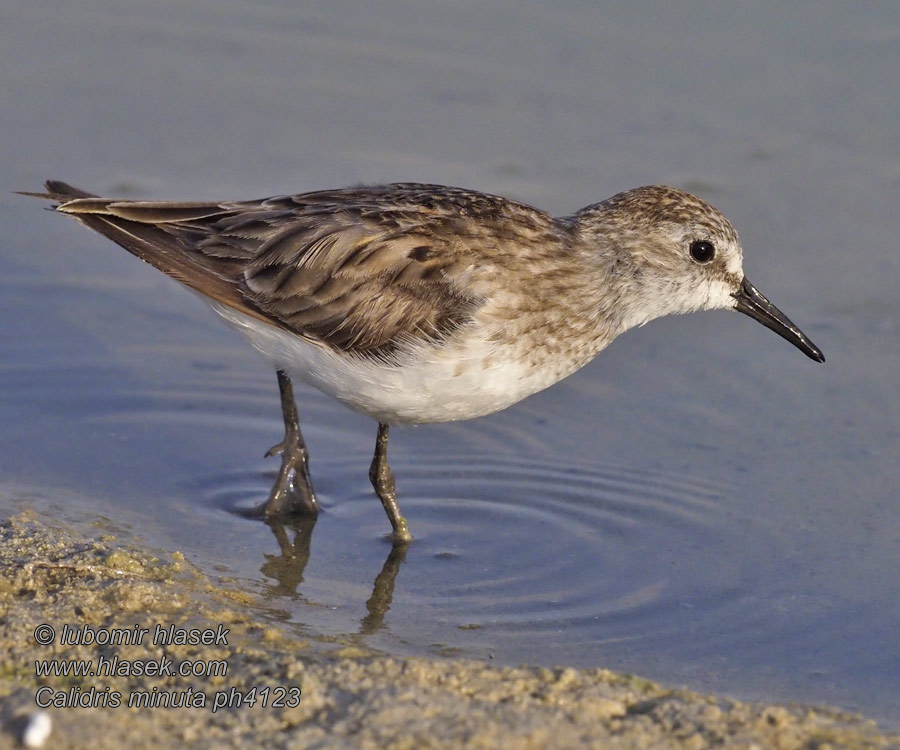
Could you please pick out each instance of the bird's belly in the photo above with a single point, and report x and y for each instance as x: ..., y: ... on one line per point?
x: 444, y: 383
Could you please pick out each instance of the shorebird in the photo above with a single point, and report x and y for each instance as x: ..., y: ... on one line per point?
x: 420, y: 303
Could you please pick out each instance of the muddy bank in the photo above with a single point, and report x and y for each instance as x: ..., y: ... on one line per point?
x: 151, y: 631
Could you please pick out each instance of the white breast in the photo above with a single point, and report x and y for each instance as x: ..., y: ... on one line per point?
x: 460, y: 380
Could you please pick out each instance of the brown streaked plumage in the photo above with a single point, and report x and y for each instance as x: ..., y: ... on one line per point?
x: 424, y: 303
x: 359, y: 269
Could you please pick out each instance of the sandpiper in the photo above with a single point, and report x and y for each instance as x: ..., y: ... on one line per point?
x: 422, y: 303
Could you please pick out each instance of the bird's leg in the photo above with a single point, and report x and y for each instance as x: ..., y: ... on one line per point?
x: 383, y: 481
x: 292, y: 494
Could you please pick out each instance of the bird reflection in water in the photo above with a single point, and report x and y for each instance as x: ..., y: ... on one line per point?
x: 287, y: 569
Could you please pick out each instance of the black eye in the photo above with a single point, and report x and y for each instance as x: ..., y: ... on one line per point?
x: 703, y: 251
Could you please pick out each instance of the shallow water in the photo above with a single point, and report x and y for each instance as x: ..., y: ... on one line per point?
x: 701, y: 505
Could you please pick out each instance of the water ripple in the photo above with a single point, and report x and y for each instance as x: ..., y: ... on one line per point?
x: 504, y: 544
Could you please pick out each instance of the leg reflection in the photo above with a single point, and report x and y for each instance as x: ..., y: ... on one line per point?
x: 287, y: 569
x: 383, y: 591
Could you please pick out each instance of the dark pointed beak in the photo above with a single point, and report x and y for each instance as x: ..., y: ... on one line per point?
x: 752, y: 302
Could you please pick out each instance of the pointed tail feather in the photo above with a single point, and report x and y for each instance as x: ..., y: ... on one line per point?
x: 147, y: 239
x: 59, y: 191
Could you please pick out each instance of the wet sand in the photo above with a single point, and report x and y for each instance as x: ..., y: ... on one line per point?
x: 349, y: 696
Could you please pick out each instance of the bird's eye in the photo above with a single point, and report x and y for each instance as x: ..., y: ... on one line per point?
x: 703, y: 251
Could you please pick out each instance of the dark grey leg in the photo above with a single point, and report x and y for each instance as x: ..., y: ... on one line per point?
x: 292, y: 494
x: 383, y: 481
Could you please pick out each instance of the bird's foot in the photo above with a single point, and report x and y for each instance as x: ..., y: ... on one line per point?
x: 292, y: 494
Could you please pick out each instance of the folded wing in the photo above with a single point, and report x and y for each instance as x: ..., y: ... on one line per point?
x: 363, y: 270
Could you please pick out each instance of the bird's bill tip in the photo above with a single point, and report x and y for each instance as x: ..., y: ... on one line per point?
x: 750, y: 301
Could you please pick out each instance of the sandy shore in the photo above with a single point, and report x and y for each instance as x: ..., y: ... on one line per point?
x: 90, y: 586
